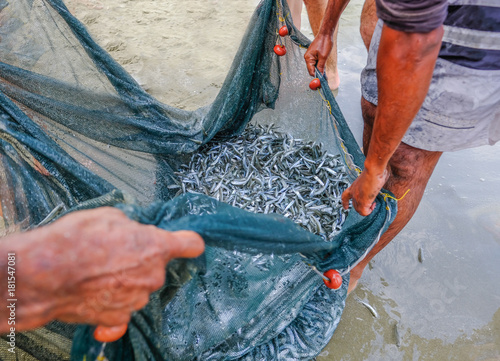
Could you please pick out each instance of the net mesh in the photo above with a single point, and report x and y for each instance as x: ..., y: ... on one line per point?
x: 78, y: 132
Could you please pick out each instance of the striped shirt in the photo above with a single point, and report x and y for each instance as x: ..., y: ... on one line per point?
x: 471, y: 27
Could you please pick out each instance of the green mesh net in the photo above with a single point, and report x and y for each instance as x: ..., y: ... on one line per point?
x: 78, y: 132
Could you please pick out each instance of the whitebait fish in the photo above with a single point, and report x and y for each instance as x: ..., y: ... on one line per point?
x: 397, y: 336
x: 265, y: 171
x: 369, y: 307
x: 420, y: 256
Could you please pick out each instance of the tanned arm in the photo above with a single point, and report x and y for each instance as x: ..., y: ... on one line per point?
x: 405, y: 63
x: 320, y: 48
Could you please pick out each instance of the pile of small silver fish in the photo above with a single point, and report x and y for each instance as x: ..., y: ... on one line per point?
x: 265, y: 171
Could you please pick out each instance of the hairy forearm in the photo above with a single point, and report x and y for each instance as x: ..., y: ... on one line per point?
x: 333, y: 10
x: 405, y: 64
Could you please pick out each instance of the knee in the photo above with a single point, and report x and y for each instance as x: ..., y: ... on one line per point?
x: 404, y: 164
x: 409, y: 164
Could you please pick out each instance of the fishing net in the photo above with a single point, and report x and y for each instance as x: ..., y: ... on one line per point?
x: 78, y: 132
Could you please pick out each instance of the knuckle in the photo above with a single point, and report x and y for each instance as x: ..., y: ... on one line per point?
x: 157, y: 280
x: 122, y: 318
x: 142, y: 301
x: 152, y: 234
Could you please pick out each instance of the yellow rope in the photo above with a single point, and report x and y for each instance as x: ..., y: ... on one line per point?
x: 283, y: 19
x: 346, y: 161
x: 387, y: 195
x: 326, y: 101
x: 357, y: 169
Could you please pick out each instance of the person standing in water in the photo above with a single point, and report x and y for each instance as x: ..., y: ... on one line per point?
x: 431, y: 84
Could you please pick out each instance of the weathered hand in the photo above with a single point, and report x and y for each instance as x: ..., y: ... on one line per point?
x: 94, y: 266
x: 363, y: 191
x: 317, y: 53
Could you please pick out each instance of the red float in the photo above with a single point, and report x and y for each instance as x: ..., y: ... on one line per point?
x: 283, y: 31
x: 109, y: 334
x: 315, y: 84
x: 280, y: 50
x: 334, y: 279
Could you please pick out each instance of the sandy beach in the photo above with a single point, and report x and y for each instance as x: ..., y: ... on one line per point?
x: 445, y: 306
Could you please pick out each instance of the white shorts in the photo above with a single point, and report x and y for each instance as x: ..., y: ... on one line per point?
x: 461, y: 109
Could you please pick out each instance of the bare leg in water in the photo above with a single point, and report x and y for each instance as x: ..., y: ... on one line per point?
x: 368, y: 21
x: 409, y: 168
x: 295, y: 7
x: 315, y: 12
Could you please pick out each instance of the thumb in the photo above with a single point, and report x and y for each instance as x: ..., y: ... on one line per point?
x: 183, y: 244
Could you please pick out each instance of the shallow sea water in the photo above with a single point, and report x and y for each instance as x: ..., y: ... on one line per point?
x: 448, y: 306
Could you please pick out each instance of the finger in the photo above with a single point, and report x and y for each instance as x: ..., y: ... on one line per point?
x: 183, y: 244
x: 122, y: 301
x: 363, y: 210
x: 110, y: 334
x: 346, y: 196
x: 310, y: 63
x: 149, y: 276
x: 321, y: 64
x: 106, y: 318
x: 113, y: 318
x: 141, y: 301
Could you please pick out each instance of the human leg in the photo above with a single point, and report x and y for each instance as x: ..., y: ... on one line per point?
x: 315, y: 12
x: 295, y: 7
x: 409, y: 168
x: 368, y: 21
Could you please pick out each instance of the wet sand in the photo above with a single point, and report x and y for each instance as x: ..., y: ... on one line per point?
x: 446, y: 307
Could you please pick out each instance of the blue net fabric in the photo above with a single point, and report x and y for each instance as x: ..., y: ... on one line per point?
x: 77, y: 132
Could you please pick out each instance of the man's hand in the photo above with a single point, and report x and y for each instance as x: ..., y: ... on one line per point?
x: 94, y: 266
x: 364, y: 190
x: 320, y: 48
x: 317, y: 53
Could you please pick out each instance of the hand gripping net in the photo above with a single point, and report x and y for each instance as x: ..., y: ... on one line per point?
x: 77, y: 132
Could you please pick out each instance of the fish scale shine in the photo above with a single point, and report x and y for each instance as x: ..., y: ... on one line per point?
x: 265, y: 171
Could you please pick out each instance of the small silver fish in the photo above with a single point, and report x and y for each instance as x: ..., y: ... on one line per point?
x: 396, y: 334
x: 370, y: 308
x: 53, y: 214
x: 265, y: 171
x: 421, y: 255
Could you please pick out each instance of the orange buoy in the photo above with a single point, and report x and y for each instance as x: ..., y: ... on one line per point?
x: 283, y: 31
x: 315, y: 84
x: 109, y: 334
x: 334, y: 279
x: 280, y: 50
